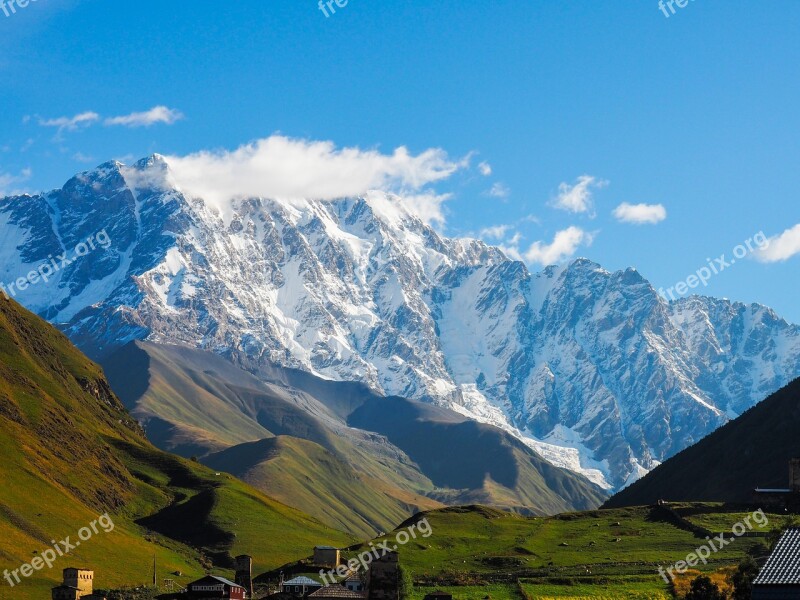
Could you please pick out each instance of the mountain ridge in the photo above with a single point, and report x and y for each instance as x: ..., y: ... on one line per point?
x: 592, y: 369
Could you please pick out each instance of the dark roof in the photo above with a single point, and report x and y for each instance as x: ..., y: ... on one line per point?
x: 783, y: 565
x: 302, y: 580
x: 336, y: 591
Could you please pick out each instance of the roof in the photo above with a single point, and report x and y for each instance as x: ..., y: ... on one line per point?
x: 222, y: 580
x: 336, y: 591
x: 302, y: 581
x: 225, y: 581
x: 772, y: 491
x: 783, y: 565
x: 324, y: 548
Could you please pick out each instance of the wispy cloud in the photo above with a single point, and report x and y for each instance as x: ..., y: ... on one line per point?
x: 79, y: 121
x: 485, y: 169
x: 82, y: 158
x: 158, y: 114
x: 8, y: 182
x: 780, y: 247
x: 577, y: 197
x: 500, y: 234
x: 640, y: 214
x: 495, y: 232
x: 564, y: 246
x: 499, y: 190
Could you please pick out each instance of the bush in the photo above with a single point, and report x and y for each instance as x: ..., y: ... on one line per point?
x: 406, y: 584
x: 704, y: 589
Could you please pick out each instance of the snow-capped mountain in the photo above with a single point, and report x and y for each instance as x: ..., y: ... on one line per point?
x: 591, y: 368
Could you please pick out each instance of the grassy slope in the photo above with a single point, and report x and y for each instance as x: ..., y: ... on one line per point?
x: 195, y: 403
x: 327, y: 486
x: 70, y: 452
x: 475, y: 463
x: 596, y: 554
x: 193, y: 396
x: 750, y: 451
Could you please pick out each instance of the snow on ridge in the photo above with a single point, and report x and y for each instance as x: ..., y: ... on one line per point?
x: 590, y: 368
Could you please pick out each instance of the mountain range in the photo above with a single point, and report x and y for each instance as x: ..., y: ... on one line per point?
x: 592, y: 369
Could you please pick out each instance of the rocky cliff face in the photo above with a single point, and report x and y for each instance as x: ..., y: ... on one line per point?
x: 591, y: 368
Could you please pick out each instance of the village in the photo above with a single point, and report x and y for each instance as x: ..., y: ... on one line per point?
x: 377, y: 574
x: 382, y: 580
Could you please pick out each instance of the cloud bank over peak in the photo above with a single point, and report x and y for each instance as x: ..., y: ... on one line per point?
x: 286, y: 168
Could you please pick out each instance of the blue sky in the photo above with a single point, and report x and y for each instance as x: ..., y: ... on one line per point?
x: 576, y: 107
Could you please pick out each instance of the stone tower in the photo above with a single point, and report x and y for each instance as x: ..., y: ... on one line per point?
x: 244, y: 573
x: 82, y: 579
x: 383, y: 578
x: 794, y: 474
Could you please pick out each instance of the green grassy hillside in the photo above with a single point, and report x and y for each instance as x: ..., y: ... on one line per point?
x: 71, y: 453
x: 196, y: 403
x: 751, y: 451
x: 613, y: 554
x: 401, y: 456
x: 311, y: 478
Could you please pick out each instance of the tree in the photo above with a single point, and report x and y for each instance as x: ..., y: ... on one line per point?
x: 742, y: 579
x: 705, y: 589
x: 406, y: 584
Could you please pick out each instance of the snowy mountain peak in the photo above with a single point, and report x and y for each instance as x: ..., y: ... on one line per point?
x: 590, y: 367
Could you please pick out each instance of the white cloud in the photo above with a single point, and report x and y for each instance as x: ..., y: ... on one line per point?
x: 499, y: 190
x: 496, y: 232
x: 79, y: 121
x: 428, y: 207
x: 780, y: 247
x: 640, y: 214
x: 158, y: 114
x: 577, y: 198
x: 9, y: 181
x: 485, y: 168
x: 293, y: 169
x: 564, y: 245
